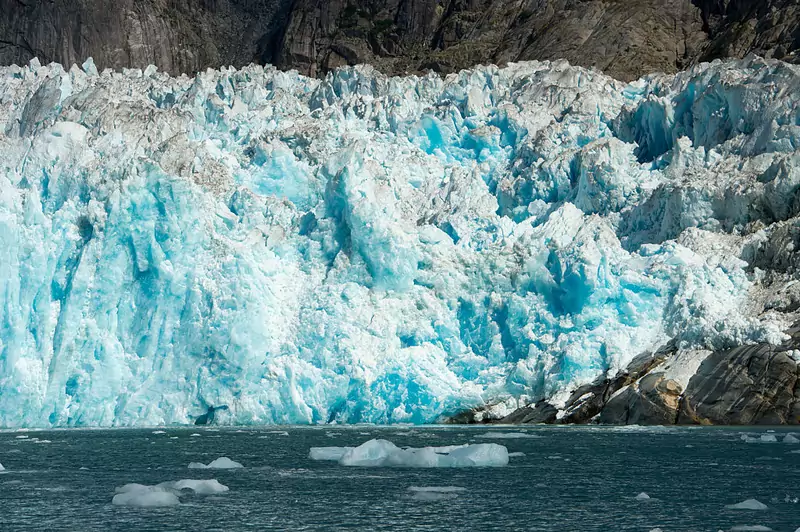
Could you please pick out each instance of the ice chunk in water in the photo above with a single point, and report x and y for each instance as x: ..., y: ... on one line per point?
x: 515, y: 455
x: 200, y: 487
x: 2, y: 468
x: 643, y: 497
x: 749, y: 504
x: 327, y: 453
x: 790, y: 438
x: 144, y: 496
x: 383, y: 453
x: 220, y: 463
x: 764, y: 438
x: 435, y: 493
x: 751, y: 528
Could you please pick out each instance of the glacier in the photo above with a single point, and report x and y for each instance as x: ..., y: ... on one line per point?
x: 362, y: 248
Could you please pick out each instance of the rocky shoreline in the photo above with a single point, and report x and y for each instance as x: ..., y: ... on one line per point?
x: 749, y: 385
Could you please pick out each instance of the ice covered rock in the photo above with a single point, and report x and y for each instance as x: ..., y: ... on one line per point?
x: 749, y: 504
x: 383, y: 453
x: 373, y: 249
x: 220, y: 463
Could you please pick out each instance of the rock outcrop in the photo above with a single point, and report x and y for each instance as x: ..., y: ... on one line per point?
x: 748, y: 385
x: 625, y: 39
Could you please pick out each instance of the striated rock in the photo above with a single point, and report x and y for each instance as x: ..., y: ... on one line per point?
x: 749, y: 385
x: 625, y: 39
x: 653, y: 400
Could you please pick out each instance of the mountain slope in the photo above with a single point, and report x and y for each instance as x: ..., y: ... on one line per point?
x: 625, y: 39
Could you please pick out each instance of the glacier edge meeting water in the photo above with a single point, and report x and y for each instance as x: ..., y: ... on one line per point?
x: 373, y: 249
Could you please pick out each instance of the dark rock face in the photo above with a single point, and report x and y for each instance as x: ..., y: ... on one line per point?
x: 624, y: 38
x: 748, y: 385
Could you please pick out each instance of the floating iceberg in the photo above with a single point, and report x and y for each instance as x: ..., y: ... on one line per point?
x: 164, y: 494
x: 643, y: 497
x: 144, y: 496
x: 2, y: 468
x: 383, y: 453
x: 749, y: 504
x: 220, y: 463
x: 372, y: 249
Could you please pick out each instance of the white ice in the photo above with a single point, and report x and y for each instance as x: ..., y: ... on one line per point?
x: 362, y: 248
x: 383, y: 453
x: 220, y: 463
x: 749, y: 504
x: 643, y: 497
x: 144, y: 496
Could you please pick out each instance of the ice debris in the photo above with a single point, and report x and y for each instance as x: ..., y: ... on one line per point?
x: 749, y: 504
x: 643, y: 497
x: 434, y: 493
x: 164, y: 494
x: 751, y: 528
x: 369, y: 249
x: 764, y: 438
x: 791, y: 438
x: 383, y: 453
x: 220, y: 463
x: 2, y: 468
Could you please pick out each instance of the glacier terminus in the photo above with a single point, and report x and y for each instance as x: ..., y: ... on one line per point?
x: 363, y: 248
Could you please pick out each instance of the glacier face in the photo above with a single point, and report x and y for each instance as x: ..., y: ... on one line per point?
x: 373, y: 249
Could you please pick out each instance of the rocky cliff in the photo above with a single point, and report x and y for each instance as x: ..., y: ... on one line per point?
x: 624, y: 38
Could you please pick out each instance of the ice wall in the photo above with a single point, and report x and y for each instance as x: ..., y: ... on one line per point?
x: 372, y: 249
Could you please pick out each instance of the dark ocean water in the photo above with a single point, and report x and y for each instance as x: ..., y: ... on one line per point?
x: 570, y: 479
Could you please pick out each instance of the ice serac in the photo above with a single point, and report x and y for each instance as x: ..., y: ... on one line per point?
x: 373, y: 249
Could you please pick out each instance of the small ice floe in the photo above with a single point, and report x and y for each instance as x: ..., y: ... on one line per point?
x: 515, y: 455
x: 144, y: 496
x: 158, y: 432
x: 764, y: 438
x: 642, y: 497
x: 200, y: 487
x: 749, y: 504
x: 278, y: 432
x: 506, y: 435
x: 791, y: 438
x: 194, y: 435
x: 2, y: 468
x: 383, y: 453
x: 23, y: 437
x: 656, y: 530
x: 751, y: 528
x: 164, y: 494
x: 435, y: 493
x: 83, y: 468
x: 220, y: 463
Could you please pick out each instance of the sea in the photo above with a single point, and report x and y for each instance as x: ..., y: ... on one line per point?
x: 559, y: 478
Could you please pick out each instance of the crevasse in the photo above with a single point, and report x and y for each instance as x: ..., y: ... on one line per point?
x: 373, y: 249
